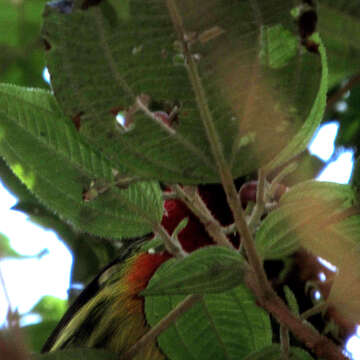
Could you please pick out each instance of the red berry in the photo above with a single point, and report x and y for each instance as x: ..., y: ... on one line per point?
x: 248, y: 193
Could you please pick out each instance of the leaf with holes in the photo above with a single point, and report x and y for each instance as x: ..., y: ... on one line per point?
x: 190, y: 79
x: 44, y: 150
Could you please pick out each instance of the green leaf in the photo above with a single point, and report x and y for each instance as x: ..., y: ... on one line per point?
x: 37, y: 334
x: 299, y: 354
x: 77, y: 354
x: 277, y: 235
x: 14, y: 185
x: 341, y: 194
x: 214, y: 327
x: 291, y: 300
x: 273, y: 352
x: 50, y: 308
x: 211, y: 269
x: 44, y: 150
x: 257, y: 107
x: 316, y: 216
x: 298, y: 220
x: 314, y: 117
x: 339, y: 25
x: 6, y: 250
x: 279, y: 47
x: 21, y: 52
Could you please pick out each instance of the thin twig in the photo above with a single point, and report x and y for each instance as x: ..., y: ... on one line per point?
x: 280, y: 177
x: 172, y: 245
x: 140, y: 103
x: 259, y: 208
x: 3, y: 285
x: 314, y: 310
x: 169, y: 195
x: 285, y: 342
x: 322, y: 346
x: 197, y: 206
x: 355, y: 80
x: 230, y: 229
x: 161, y: 326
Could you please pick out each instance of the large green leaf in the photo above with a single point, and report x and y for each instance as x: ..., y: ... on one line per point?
x: 310, y: 215
x: 300, y: 141
x: 44, y: 150
x: 274, y: 352
x: 339, y: 25
x: 341, y: 194
x: 36, y: 334
x: 21, y: 51
x: 211, y: 269
x: 278, y: 235
x: 220, y: 326
x: 242, y: 62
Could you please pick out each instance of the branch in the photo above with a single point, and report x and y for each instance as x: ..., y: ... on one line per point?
x: 197, y: 206
x: 172, y: 245
x: 331, y: 101
x: 161, y: 326
x: 267, y: 298
x: 218, y: 154
x: 323, y: 347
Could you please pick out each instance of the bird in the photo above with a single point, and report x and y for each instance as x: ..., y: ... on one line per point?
x: 109, y: 313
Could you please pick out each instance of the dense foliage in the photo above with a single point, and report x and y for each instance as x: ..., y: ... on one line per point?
x: 173, y: 139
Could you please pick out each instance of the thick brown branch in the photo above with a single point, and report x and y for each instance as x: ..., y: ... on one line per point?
x: 323, y: 347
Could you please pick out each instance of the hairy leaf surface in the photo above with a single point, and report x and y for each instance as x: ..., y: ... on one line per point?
x: 274, y: 352
x: 44, y: 150
x: 222, y: 322
x: 209, y: 270
x: 339, y: 25
x: 305, y: 218
x: 227, y: 61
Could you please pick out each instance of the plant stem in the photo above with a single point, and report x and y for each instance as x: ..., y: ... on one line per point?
x: 355, y: 80
x: 140, y: 103
x: 257, y: 279
x: 171, y: 244
x: 197, y: 206
x: 313, y: 311
x: 161, y: 326
x: 322, y: 346
x: 285, y: 342
x: 259, y: 208
x: 3, y: 285
x: 217, y: 151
